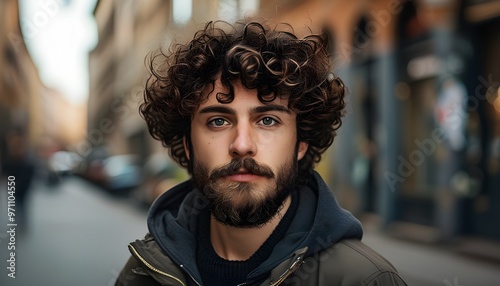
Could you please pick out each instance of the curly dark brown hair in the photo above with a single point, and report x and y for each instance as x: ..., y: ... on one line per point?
x: 274, y: 61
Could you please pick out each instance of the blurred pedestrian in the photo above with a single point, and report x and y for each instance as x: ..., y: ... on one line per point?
x: 20, y: 166
x: 249, y: 110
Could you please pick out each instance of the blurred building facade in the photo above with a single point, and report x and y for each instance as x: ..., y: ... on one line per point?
x: 48, y: 119
x: 420, y: 143
x: 19, y: 81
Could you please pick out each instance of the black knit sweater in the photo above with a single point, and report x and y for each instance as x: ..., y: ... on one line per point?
x: 216, y: 271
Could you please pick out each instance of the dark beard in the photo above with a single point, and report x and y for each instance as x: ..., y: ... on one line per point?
x: 255, y: 211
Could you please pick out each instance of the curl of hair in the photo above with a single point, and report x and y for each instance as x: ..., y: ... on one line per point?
x: 274, y: 62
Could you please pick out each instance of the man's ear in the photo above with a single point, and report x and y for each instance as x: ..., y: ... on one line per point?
x: 186, y: 147
x: 301, y: 151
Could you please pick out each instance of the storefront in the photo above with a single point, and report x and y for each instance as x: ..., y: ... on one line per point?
x: 448, y: 175
x: 481, y: 208
x: 431, y: 96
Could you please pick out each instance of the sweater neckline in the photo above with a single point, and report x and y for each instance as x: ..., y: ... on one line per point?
x: 212, y: 266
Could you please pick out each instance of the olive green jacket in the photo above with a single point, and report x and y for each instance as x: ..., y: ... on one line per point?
x: 349, y: 262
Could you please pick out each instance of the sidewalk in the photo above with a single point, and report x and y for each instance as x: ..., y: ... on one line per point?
x: 422, y: 264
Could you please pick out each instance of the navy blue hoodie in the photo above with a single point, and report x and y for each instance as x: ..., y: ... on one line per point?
x: 318, y: 224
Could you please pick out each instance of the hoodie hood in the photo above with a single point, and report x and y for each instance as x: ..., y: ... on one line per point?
x: 318, y: 224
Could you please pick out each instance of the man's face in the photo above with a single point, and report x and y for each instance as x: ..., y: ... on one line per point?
x: 244, y: 155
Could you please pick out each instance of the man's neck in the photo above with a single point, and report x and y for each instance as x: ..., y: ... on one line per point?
x: 233, y: 243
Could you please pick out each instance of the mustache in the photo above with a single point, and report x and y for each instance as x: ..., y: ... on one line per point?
x: 249, y: 164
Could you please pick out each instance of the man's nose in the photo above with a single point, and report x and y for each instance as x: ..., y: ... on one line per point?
x: 243, y: 143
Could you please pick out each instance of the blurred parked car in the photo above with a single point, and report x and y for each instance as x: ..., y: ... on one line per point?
x: 91, y: 166
x: 118, y: 174
x: 61, y: 164
x: 122, y: 173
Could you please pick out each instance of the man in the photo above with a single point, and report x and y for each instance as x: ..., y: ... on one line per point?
x: 249, y: 110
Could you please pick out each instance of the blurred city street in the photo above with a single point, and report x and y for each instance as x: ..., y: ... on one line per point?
x: 417, y: 158
x: 78, y: 235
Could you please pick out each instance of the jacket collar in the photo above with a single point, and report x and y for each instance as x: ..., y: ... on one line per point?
x: 159, y: 266
x: 155, y: 263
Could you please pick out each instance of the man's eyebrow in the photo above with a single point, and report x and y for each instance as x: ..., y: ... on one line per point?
x: 270, y: 107
x: 231, y: 111
x: 217, y: 109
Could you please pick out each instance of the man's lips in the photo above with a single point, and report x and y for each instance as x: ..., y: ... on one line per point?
x: 243, y: 177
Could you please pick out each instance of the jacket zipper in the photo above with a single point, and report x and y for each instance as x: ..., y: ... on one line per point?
x: 190, y: 276
x: 295, y: 265
x: 154, y: 268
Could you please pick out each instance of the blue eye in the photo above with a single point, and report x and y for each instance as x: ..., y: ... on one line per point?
x: 268, y: 121
x: 217, y: 122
